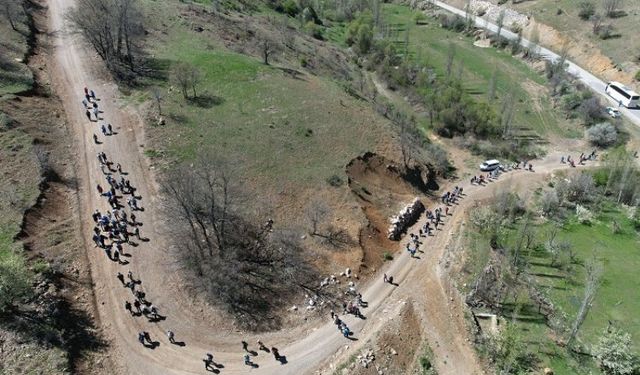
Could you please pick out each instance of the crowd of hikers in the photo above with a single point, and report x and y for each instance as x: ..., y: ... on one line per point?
x: 118, y: 226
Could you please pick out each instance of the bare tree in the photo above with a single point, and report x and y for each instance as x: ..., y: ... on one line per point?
x: 317, y: 215
x: 611, y: 7
x: 592, y: 283
x: 596, y: 23
x: 195, y: 78
x: 451, y: 54
x: 187, y: 77
x: 249, y: 269
x: 267, y: 49
x: 491, y: 91
x: 13, y: 12
x: 114, y: 29
x: 500, y: 23
x: 508, y: 112
x: 534, y: 40
x: 157, y: 97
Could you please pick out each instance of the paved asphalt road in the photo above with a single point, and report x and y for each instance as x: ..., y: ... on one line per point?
x: 584, y: 76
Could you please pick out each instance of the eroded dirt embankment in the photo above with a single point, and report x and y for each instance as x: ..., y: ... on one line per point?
x: 383, y: 188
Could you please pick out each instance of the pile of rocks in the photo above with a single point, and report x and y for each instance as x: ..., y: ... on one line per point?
x: 366, y: 358
x: 492, y: 12
x: 407, y: 217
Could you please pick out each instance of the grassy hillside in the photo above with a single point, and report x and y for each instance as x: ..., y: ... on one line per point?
x: 563, y: 16
x: 564, y: 285
x: 431, y: 44
x: 15, y: 76
x: 283, y: 131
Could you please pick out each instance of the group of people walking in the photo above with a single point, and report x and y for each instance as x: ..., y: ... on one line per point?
x: 581, y: 160
x: 118, y: 226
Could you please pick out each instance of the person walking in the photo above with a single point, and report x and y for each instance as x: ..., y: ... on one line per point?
x: 103, y: 129
x: 92, y: 94
x: 127, y: 306
x: 121, y: 278
x: 247, y: 360
x: 136, y: 233
x: 385, y: 279
x: 245, y: 346
x: 208, y: 361
x: 276, y: 353
x: 141, y: 338
x: 262, y: 347
x: 136, y: 304
x: 88, y: 114
x: 171, y: 337
x: 110, y: 129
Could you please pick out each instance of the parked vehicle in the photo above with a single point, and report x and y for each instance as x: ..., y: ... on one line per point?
x: 613, y: 112
x: 489, y: 165
x: 623, y: 95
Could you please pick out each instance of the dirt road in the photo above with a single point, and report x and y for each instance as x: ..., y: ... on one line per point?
x: 309, y: 348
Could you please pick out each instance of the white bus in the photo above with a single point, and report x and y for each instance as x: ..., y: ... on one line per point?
x: 623, y: 95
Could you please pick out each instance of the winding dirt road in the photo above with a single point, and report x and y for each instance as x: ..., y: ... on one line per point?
x: 310, y: 348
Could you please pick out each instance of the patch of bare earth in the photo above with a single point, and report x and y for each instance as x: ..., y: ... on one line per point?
x: 383, y: 189
x: 395, y: 348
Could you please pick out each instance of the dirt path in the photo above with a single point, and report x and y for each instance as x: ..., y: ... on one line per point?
x: 309, y: 348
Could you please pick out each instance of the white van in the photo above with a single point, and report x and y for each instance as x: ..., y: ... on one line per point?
x: 489, y: 165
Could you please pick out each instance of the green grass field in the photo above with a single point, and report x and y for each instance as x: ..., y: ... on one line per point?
x: 615, y: 300
x: 279, y: 131
x: 430, y: 44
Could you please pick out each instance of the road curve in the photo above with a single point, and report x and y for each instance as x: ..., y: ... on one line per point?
x: 310, y: 346
x: 584, y: 76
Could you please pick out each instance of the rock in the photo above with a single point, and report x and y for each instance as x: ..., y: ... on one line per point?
x: 548, y: 371
x: 393, y: 351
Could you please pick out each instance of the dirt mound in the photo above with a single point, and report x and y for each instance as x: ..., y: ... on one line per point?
x: 383, y: 188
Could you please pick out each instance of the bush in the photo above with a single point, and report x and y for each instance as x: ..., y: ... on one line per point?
x: 615, y: 353
x: 420, y: 18
x: 335, y: 181
x: 291, y: 8
x: 586, y: 9
x: 360, y: 33
x: 602, y: 135
x: 452, y: 22
x: 387, y: 256
x: 591, y: 111
x: 6, y: 122
x: 314, y: 30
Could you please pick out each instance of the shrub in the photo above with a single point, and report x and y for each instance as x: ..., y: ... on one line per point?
x: 591, y: 111
x: 291, y: 8
x: 335, y: 181
x: 584, y: 215
x: 452, y: 22
x: 6, y: 122
x: 602, y: 135
x: 387, y: 256
x: 420, y: 18
x: 586, y: 9
x: 615, y: 353
x: 314, y: 30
